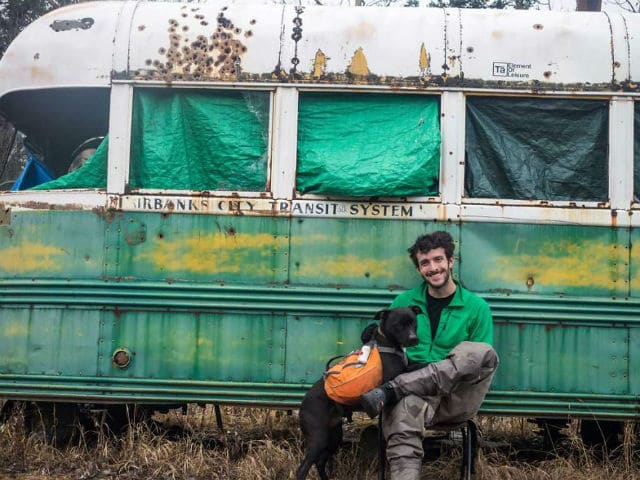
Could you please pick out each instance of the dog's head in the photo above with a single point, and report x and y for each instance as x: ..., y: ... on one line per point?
x: 399, y: 325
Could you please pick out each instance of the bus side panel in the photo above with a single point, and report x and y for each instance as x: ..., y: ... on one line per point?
x: 634, y: 359
x: 634, y: 262
x: 49, y: 341
x: 545, y: 259
x: 562, y: 359
x: 314, y: 339
x: 192, y: 345
x: 575, y: 342
x: 52, y: 244
x: 359, y: 253
x: 198, y: 248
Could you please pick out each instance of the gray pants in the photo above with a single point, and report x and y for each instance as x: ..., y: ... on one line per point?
x: 441, y: 395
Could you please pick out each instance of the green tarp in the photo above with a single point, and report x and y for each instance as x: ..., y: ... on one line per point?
x: 368, y: 145
x: 636, y: 152
x: 537, y: 149
x: 93, y: 174
x: 202, y: 140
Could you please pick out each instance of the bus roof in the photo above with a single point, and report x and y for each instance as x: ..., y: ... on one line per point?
x: 91, y: 44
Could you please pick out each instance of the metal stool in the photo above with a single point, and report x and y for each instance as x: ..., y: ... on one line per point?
x: 469, y: 449
x: 469, y: 431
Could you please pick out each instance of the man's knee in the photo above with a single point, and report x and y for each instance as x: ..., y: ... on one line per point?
x: 478, y: 353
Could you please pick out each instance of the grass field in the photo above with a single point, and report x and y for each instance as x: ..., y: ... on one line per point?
x: 260, y: 444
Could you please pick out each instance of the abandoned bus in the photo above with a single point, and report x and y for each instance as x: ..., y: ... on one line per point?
x: 216, y: 198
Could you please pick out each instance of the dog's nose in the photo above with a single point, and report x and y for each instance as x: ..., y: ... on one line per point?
x: 412, y: 340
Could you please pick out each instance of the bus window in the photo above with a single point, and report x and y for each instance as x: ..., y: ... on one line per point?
x: 55, y: 122
x: 636, y: 152
x: 88, y: 168
x: 368, y: 145
x: 199, y: 140
x: 536, y: 149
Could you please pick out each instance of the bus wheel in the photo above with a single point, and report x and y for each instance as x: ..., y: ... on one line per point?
x: 602, y: 437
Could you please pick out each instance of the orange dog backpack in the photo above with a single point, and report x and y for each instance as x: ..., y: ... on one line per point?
x: 357, y: 373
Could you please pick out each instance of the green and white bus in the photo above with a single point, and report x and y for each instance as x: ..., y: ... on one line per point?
x: 258, y: 171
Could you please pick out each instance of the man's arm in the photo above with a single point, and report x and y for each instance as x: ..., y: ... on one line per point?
x: 482, y: 327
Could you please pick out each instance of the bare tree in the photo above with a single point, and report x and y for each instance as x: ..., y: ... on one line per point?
x: 632, y: 6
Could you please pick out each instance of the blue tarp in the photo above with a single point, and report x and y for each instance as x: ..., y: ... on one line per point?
x: 34, y: 173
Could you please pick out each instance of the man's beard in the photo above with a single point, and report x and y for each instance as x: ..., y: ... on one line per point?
x: 445, y: 281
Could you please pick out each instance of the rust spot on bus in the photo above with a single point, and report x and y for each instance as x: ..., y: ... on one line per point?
x: 135, y: 232
x: 5, y: 216
x: 195, y: 60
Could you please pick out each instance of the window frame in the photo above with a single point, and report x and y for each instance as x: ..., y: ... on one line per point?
x: 464, y: 200
x: 118, y: 177
x: 434, y: 199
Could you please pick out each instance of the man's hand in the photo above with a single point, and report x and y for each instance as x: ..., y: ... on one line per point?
x: 367, y: 333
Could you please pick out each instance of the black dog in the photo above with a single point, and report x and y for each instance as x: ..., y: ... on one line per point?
x: 321, y: 417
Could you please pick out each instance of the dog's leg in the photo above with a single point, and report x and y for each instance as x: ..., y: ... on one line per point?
x: 321, y: 465
x: 325, y: 458
x: 317, y: 449
x: 305, y: 466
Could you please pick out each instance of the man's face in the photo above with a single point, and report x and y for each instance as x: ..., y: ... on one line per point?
x: 434, y: 267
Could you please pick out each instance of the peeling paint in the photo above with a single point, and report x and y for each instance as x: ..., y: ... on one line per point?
x: 358, y: 64
x: 319, y: 64
x: 32, y: 257
x: 570, y: 265
x: 65, y: 25
x: 424, y: 62
x: 350, y: 266
x: 213, y: 253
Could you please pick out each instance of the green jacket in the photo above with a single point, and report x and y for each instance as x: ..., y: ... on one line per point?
x: 467, y: 317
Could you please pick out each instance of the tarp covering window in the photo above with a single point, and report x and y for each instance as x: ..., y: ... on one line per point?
x: 92, y: 174
x: 536, y: 149
x: 364, y: 145
x: 636, y: 152
x: 199, y: 140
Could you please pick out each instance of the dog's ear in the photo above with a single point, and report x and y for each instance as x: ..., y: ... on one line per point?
x: 416, y: 309
x: 382, y: 314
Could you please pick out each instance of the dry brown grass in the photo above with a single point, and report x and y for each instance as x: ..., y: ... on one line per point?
x: 265, y: 444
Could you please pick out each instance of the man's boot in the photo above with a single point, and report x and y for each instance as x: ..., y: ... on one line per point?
x: 373, y: 400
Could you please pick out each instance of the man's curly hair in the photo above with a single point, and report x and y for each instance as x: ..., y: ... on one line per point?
x: 425, y: 243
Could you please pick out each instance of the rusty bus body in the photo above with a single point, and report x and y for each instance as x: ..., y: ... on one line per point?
x: 143, y: 291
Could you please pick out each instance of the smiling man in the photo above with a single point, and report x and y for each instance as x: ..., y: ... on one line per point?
x: 451, y: 368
